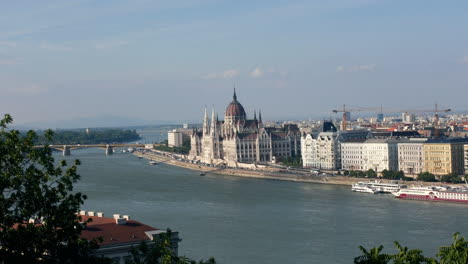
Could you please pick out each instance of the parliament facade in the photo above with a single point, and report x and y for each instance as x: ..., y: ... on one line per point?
x: 237, y: 139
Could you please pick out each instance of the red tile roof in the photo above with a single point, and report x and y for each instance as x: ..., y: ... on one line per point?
x: 113, y: 233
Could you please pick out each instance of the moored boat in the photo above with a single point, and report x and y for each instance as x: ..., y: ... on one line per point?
x: 363, y: 187
x: 434, y: 193
x: 377, y: 187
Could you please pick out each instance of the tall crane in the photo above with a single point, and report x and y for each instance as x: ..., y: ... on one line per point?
x: 435, y: 119
x: 348, y: 110
x: 434, y: 110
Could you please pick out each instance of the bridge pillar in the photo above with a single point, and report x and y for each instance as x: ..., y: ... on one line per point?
x: 66, y: 150
x: 109, y: 150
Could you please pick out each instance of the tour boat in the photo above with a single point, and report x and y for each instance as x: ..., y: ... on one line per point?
x: 377, y: 187
x: 434, y: 193
x: 202, y: 173
x: 153, y: 162
x: 363, y: 187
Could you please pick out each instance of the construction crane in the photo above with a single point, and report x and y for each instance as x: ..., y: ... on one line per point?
x: 434, y: 110
x: 347, y: 110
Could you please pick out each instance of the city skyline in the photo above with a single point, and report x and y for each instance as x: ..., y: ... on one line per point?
x: 155, y: 60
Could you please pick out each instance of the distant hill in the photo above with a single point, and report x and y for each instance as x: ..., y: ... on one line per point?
x: 100, y: 121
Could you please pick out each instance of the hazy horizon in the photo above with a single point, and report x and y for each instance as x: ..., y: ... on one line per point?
x: 164, y: 60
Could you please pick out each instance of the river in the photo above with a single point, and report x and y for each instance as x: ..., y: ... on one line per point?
x: 243, y: 220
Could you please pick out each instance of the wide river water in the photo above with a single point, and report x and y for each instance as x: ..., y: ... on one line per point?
x: 247, y: 220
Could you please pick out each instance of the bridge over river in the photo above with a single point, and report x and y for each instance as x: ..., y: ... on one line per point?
x: 109, y: 148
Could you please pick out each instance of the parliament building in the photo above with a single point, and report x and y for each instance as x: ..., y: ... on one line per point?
x: 237, y: 139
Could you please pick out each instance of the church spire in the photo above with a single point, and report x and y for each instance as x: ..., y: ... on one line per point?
x: 206, y: 126
x: 234, y: 96
x: 213, y: 123
x: 255, y: 114
x: 259, y: 116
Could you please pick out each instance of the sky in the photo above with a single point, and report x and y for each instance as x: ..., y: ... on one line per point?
x: 152, y: 61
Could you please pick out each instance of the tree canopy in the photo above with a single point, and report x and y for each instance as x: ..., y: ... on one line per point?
x: 456, y: 253
x: 38, y: 220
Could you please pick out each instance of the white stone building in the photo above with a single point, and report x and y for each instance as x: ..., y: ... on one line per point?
x: 380, y: 154
x: 322, y: 150
x: 411, y: 156
x: 175, y: 138
x: 352, y: 155
x: 375, y: 154
x: 238, y: 139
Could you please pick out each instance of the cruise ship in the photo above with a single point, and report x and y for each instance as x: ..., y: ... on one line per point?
x: 377, y: 187
x: 434, y: 193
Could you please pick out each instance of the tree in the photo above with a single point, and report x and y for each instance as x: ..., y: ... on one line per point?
x: 371, y: 173
x: 373, y: 256
x: 457, y: 253
x: 426, y: 176
x: 38, y: 220
x: 160, y: 252
x: 451, y: 178
x: 409, y: 256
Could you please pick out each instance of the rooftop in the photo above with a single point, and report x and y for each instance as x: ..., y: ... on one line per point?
x: 117, y: 230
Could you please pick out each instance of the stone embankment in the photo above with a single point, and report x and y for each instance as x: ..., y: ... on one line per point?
x: 267, y: 173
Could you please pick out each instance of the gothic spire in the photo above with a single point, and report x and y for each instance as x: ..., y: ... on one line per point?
x: 259, y: 116
x: 234, y: 96
x: 255, y: 114
x: 206, y: 126
x: 213, y: 122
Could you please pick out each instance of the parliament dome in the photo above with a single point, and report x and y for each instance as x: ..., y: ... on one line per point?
x: 235, y: 109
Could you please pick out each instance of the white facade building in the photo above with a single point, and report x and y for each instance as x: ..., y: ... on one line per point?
x: 352, y: 155
x: 411, y: 156
x: 375, y: 154
x: 380, y: 154
x: 175, y: 138
x: 322, y: 150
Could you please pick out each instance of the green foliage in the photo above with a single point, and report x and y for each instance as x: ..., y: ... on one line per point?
x: 427, y: 177
x: 38, y: 221
x: 293, y: 161
x: 358, y: 174
x: 184, y: 149
x: 393, y: 175
x: 409, y: 256
x: 373, y: 256
x: 98, y: 136
x: 451, y: 178
x: 160, y: 252
x: 456, y: 253
x: 371, y: 173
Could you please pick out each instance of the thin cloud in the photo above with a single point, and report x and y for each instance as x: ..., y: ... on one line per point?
x: 111, y: 44
x: 270, y: 72
x: 228, y: 74
x: 55, y: 47
x: 24, y: 90
x: 356, y: 68
x: 256, y: 73
x: 9, y: 44
x: 10, y: 61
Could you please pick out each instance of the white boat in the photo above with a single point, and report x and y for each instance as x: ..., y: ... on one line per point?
x: 380, y: 187
x: 434, y: 193
x: 363, y: 187
x: 153, y: 162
